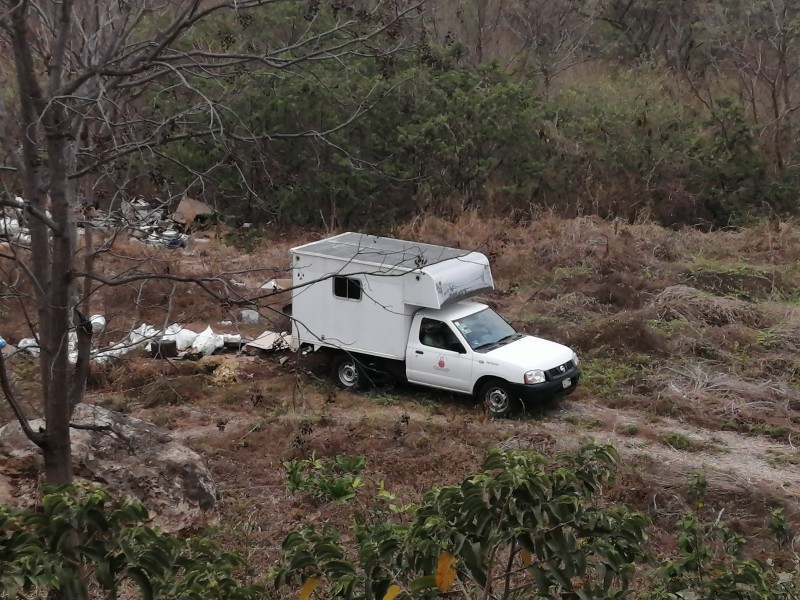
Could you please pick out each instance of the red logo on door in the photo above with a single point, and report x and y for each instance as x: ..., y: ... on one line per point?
x: 441, y: 362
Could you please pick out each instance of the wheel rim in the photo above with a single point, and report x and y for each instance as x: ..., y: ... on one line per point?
x: 348, y: 374
x: 498, y: 400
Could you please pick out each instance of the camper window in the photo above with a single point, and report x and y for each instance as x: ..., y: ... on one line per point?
x: 346, y: 287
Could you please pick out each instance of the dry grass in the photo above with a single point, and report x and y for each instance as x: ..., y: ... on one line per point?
x: 684, y: 302
x: 716, y: 399
x: 787, y: 326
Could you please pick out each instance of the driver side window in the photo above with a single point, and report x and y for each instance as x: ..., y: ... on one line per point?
x: 437, y: 334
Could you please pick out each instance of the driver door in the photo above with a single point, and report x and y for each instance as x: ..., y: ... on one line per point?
x: 438, y: 358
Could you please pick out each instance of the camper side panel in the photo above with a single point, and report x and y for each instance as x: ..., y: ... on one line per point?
x: 350, y: 306
x: 448, y: 281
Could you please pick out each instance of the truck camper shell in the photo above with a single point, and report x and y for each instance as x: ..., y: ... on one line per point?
x: 372, y: 285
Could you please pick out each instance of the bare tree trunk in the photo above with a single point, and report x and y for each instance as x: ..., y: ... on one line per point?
x: 57, y: 325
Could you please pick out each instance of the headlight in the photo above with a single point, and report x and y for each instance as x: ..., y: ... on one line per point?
x: 535, y: 376
x: 575, y: 360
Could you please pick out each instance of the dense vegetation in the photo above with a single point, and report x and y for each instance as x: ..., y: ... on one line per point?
x: 524, y: 526
x: 680, y: 111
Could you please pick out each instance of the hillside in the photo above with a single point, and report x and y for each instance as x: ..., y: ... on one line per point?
x: 689, y: 343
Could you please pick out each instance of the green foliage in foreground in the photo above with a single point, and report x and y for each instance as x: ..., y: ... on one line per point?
x: 81, y: 539
x: 524, y: 526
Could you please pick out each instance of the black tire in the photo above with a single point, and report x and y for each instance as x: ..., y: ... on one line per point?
x: 347, y: 371
x: 497, y: 397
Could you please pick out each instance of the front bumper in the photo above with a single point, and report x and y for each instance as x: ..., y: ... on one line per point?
x: 555, y: 387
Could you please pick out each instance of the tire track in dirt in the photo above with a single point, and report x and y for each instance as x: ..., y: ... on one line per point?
x: 729, y: 459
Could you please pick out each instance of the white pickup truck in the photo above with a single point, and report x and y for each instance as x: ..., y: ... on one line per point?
x: 388, y: 307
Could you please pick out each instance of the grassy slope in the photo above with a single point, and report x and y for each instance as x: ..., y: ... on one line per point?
x: 690, y: 347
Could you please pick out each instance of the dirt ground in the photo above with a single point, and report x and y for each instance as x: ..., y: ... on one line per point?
x: 689, y: 343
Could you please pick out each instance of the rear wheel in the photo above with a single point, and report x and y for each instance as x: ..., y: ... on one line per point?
x: 347, y: 371
x: 497, y: 397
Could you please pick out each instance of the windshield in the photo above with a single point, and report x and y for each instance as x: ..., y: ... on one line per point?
x: 485, y: 328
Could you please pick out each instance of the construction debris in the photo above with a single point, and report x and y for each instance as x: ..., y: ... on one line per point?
x: 158, y: 342
x: 189, y: 209
x: 270, y: 341
x: 249, y: 317
x: 148, y: 222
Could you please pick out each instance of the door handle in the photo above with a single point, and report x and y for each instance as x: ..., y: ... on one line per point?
x: 419, y: 352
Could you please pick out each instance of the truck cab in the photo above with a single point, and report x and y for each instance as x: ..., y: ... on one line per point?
x: 468, y: 348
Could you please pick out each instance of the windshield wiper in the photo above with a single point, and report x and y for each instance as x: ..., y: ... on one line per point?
x: 501, y: 341
x: 486, y: 345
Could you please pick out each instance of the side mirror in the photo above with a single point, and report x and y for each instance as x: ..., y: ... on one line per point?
x: 457, y: 347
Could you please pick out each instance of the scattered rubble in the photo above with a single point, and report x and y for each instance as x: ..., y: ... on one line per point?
x: 270, y: 341
x: 176, y: 341
x: 189, y: 209
x: 249, y: 317
x: 147, y: 222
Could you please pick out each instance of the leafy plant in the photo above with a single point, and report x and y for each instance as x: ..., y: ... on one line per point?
x: 710, y: 561
x: 679, y: 441
x: 336, y: 479
x: 522, y: 527
x: 80, y: 538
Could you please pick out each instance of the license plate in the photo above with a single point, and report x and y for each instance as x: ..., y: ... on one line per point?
x: 566, y: 383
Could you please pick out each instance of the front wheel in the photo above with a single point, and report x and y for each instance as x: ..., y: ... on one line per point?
x: 347, y: 372
x: 497, y: 397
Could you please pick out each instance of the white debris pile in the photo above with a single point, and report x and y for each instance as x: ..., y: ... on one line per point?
x: 187, y: 341
x: 270, y: 341
x: 12, y: 227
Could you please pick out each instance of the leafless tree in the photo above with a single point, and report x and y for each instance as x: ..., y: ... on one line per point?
x: 546, y: 37
x: 761, y: 43
x: 72, y: 71
x: 653, y: 29
x: 552, y: 36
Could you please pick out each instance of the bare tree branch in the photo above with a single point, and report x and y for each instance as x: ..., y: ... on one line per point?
x: 36, y: 437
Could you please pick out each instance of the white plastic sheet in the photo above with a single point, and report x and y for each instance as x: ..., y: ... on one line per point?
x: 30, y: 345
x: 184, y: 338
x: 98, y: 323
x: 207, y: 342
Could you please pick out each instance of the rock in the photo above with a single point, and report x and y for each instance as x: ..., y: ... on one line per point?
x: 249, y: 317
x: 133, y: 458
